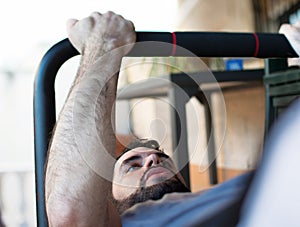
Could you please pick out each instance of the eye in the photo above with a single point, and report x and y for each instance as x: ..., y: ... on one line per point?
x: 133, y: 168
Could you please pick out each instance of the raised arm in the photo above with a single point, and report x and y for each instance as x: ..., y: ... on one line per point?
x: 80, y: 158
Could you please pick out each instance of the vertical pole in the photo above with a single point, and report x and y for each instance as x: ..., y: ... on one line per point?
x: 211, y: 153
x: 179, y: 131
x: 271, y: 66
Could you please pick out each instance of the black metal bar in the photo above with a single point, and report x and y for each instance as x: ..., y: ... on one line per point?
x: 213, y: 44
x: 210, y: 136
x: 45, y: 116
x: 219, y: 76
x: 179, y: 132
x: 158, y: 86
x: 211, y: 155
x: 217, y: 44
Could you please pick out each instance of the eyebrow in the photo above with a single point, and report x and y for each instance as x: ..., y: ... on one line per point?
x: 130, y: 159
x: 138, y: 157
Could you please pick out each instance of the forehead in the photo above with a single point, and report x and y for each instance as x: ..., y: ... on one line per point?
x: 137, y: 151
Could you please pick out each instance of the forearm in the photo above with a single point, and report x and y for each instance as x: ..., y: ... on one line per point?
x: 81, y: 156
x: 84, y: 143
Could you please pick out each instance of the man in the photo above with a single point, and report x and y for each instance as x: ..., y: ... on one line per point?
x: 85, y: 186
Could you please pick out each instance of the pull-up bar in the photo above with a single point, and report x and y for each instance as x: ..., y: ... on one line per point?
x: 217, y: 44
x: 211, y: 44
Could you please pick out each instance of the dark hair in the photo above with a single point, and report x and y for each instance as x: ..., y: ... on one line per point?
x: 141, y: 143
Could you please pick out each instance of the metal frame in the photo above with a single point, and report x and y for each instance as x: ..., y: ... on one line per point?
x: 202, y: 44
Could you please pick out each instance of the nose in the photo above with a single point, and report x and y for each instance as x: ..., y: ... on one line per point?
x: 151, y: 160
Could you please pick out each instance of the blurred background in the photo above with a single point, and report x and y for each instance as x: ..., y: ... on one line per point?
x: 29, y: 28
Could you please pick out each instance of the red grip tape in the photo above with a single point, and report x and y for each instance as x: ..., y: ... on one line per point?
x: 174, y: 41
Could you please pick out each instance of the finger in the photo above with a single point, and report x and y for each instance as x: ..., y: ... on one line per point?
x: 70, y: 24
x: 110, y: 14
x: 96, y: 14
x: 130, y: 24
x: 97, y: 17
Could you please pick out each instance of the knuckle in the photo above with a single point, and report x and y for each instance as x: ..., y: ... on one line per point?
x: 109, y: 14
x: 95, y: 14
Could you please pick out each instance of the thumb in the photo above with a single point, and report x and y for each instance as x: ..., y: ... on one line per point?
x: 75, y: 40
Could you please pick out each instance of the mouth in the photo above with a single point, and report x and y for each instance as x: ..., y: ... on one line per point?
x: 155, y: 175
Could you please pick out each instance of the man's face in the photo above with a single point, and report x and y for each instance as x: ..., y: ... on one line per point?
x: 145, y: 173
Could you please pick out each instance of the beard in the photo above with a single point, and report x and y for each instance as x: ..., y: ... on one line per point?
x: 153, y: 192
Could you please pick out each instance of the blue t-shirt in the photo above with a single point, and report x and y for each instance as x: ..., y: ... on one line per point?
x: 218, y: 206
